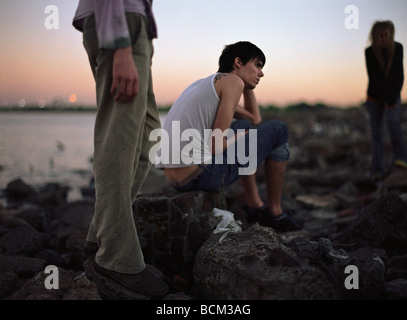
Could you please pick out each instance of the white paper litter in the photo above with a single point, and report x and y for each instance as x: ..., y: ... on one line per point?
x: 227, y: 224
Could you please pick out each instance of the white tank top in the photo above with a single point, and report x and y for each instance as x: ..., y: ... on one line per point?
x: 186, y: 130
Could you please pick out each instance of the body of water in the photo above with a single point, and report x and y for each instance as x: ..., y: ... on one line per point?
x: 43, y: 147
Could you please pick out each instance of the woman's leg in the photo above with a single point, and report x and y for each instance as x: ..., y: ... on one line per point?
x: 397, y: 138
x: 376, y: 111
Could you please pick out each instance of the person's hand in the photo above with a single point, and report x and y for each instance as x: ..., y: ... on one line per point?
x: 125, y: 84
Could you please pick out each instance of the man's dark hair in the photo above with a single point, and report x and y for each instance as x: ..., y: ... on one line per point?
x: 244, y: 50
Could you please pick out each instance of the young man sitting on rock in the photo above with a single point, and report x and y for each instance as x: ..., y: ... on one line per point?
x: 208, y: 141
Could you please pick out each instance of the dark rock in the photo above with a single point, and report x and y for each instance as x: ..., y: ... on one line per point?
x: 70, y: 224
x: 318, y: 201
x: 3, y: 230
x: 22, y: 240
x: 396, y: 289
x: 76, y: 213
x: 258, y: 264
x: 181, y: 296
x: 9, y: 219
x: 396, y: 180
x: 19, y: 190
x: 8, y: 281
x: 51, y: 257
x: 52, y: 194
x: 69, y: 288
x: 369, y: 271
x: 174, y: 226
x: 397, y: 267
x: 82, y: 289
x: 383, y: 224
x: 88, y: 192
x: 255, y: 265
x: 36, y: 217
x: 23, y: 267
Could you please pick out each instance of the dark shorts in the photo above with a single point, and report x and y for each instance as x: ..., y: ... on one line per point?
x: 271, y: 140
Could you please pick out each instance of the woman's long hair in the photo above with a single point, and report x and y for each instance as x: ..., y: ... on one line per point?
x: 383, y: 55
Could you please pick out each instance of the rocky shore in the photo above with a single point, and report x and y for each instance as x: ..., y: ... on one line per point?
x: 353, y: 245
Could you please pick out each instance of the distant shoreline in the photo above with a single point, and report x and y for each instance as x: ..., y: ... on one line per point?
x: 59, y: 109
x: 45, y: 109
x: 300, y: 106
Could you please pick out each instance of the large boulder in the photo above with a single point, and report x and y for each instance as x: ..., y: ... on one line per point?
x: 19, y: 190
x: 254, y: 265
x: 64, y: 286
x: 259, y: 264
x: 173, y: 226
x: 22, y: 240
x: 382, y: 224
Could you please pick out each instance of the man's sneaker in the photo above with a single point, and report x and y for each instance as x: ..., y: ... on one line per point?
x: 376, y: 176
x: 253, y: 214
x: 401, y: 164
x: 148, y: 282
x: 281, y: 223
x: 91, y: 248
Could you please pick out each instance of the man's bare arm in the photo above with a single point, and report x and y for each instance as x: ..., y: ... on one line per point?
x: 251, y: 110
x: 231, y: 90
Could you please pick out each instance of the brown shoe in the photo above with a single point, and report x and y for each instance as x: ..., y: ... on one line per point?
x: 148, y: 282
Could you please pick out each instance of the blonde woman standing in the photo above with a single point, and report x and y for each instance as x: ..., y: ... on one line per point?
x: 384, y: 62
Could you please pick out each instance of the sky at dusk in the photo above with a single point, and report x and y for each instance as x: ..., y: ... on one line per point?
x: 314, y: 51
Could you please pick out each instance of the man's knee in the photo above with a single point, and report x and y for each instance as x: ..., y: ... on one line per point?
x: 280, y: 130
x: 281, y: 153
x: 241, y: 124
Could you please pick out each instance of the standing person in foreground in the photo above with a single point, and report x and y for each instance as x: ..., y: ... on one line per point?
x: 117, y: 36
x: 211, y: 104
x: 384, y: 62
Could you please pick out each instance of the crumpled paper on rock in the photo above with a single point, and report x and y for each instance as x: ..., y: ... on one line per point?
x: 227, y: 224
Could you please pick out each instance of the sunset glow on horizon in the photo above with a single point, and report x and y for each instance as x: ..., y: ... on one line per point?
x: 311, y: 55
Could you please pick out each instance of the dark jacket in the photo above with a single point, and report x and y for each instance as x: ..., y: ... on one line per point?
x: 382, y: 88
